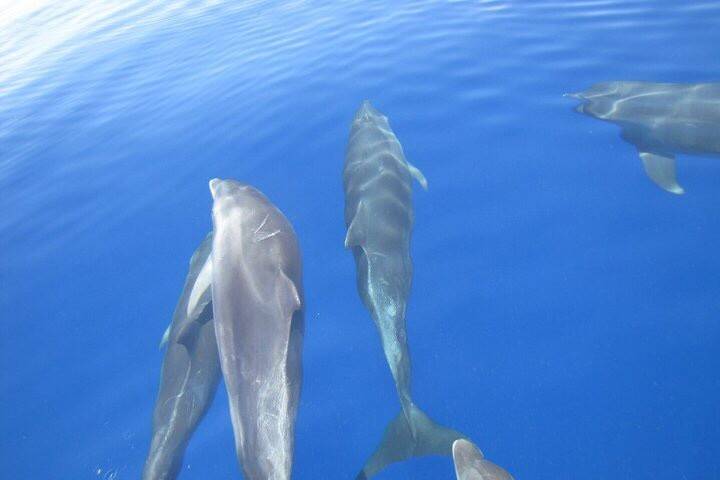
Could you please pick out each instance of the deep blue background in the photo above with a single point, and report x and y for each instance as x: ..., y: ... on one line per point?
x: 565, y: 311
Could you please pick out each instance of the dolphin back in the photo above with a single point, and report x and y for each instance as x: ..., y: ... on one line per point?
x: 660, y: 120
x: 377, y: 180
x: 258, y: 308
x: 379, y: 216
x: 189, y: 379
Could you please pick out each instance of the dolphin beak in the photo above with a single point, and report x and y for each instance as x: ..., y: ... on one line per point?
x: 577, y: 95
x: 365, y: 112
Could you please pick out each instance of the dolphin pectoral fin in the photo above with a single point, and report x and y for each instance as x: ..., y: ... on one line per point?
x: 199, y: 308
x: 418, y: 175
x: 189, y: 331
x: 200, y: 295
x: 399, y: 443
x: 355, y: 232
x: 661, y: 170
x: 165, y: 337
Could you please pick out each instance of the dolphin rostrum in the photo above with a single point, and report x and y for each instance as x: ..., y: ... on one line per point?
x: 661, y: 120
x: 379, y: 217
x: 470, y: 464
x: 190, y: 373
x: 257, y: 300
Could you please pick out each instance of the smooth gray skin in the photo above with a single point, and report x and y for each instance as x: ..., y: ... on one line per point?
x: 190, y: 374
x: 661, y: 120
x: 379, y: 215
x: 258, y: 308
x: 470, y: 464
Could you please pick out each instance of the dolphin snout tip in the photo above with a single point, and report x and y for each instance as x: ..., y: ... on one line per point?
x: 366, y: 111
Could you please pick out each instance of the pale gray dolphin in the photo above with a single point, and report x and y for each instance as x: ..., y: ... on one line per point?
x: 470, y: 464
x: 661, y: 120
x: 379, y: 215
x: 257, y: 302
x: 190, y: 374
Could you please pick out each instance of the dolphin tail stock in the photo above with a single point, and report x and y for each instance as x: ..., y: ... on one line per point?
x: 410, y: 434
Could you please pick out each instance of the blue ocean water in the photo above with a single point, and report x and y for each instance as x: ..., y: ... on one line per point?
x: 564, y: 311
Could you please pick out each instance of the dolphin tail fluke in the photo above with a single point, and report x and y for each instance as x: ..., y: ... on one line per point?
x: 660, y: 168
x: 399, y: 443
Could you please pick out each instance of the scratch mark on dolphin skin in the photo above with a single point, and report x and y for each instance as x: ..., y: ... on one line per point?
x: 262, y: 224
x: 266, y: 236
x: 260, y: 236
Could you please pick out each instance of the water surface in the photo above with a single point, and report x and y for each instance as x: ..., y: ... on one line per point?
x: 564, y: 311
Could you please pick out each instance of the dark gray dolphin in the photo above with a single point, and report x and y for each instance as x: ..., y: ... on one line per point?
x: 470, y: 464
x: 379, y: 215
x: 257, y: 302
x: 190, y: 373
x: 661, y: 120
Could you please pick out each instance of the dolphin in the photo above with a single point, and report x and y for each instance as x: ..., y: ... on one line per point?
x: 190, y: 373
x: 470, y: 464
x: 379, y: 216
x: 661, y: 120
x: 257, y: 300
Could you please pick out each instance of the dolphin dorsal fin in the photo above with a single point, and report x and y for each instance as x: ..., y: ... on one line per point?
x: 660, y: 168
x: 288, y: 294
x: 417, y: 175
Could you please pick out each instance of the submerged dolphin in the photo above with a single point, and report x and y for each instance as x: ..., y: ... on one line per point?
x: 661, y: 120
x: 257, y: 302
x: 379, y: 215
x: 190, y: 372
x: 470, y: 464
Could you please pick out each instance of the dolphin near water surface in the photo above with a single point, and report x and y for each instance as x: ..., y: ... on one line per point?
x: 257, y: 300
x: 190, y: 372
x: 661, y: 120
x: 377, y: 180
